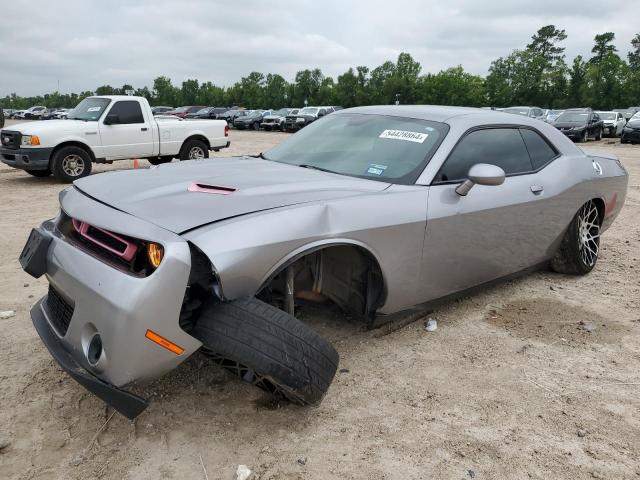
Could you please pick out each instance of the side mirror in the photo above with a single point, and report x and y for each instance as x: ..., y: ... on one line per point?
x: 112, y: 119
x: 481, y: 174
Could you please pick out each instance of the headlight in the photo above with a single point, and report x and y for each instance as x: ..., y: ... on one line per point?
x: 30, y: 140
x: 155, y: 253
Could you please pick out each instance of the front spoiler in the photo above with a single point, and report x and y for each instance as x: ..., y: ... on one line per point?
x: 126, y: 403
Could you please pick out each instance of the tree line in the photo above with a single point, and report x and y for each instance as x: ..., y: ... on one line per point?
x: 537, y: 74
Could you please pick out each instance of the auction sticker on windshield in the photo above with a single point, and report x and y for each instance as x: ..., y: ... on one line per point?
x: 404, y: 135
x: 375, y: 169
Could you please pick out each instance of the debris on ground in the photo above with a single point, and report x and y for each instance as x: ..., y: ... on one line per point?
x: 243, y: 472
x: 431, y: 325
x: 4, y: 443
x: 587, y: 327
x: 7, y: 314
x: 302, y: 460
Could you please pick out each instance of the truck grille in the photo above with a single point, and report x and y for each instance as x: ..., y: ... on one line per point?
x: 10, y: 139
x: 59, y: 311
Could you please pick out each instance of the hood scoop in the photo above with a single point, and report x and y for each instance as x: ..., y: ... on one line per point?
x: 207, y: 188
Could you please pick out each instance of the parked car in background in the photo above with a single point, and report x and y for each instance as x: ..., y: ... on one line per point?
x: 580, y: 124
x: 631, y: 131
x: 531, y: 112
x: 552, y: 115
x: 103, y: 129
x: 304, y: 117
x: 252, y: 120
x: 62, y: 113
x: 230, y: 115
x: 8, y: 112
x: 1, y: 117
x: 17, y: 114
x: 275, y: 121
x: 48, y: 114
x: 209, y: 112
x: 160, y: 110
x: 34, y: 112
x: 182, y: 112
x: 613, y: 123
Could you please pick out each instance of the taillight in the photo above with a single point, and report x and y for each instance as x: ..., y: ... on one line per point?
x: 226, y: 130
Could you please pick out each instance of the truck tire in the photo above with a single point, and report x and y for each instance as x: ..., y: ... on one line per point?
x: 159, y: 161
x: 194, y: 150
x: 268, y: 348
x: 70, y: 163
x: 39, y: 173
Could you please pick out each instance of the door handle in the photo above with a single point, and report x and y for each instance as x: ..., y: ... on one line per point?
x: 144, y: 129
x: 537, y: 189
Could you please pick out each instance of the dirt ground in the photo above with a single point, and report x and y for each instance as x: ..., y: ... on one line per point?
x: 536, y: 378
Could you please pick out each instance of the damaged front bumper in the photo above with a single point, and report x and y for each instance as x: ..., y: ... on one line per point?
x: 126, y: 403
x: 89, y: 297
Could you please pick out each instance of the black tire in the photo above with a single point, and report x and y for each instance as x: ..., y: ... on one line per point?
x: 159, y: 161
x: 585, y: 136
x: 573, y: 257
x: 39, y: 173
x: 189, y: 147
x: 66, y: 172
x: 269, y: 348
x: 256, y: 125
x: 599, y: 135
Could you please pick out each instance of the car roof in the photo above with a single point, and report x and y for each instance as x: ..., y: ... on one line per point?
x: 442, y: 114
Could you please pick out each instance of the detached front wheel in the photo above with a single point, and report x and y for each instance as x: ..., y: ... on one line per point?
x: 578, y: 252
x: 268, y: 348
x: 70, y: 163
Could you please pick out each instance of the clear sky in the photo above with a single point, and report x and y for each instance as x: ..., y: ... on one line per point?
x: 83, y: 44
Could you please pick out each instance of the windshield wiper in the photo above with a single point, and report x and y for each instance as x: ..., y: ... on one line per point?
x: 260, y: 155
x: 313, y: 167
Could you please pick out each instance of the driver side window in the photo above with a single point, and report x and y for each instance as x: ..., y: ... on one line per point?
x: 503, y: 147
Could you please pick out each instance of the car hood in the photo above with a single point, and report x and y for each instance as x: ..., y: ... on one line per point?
x: 43, y: 126
x: 633, y: 123
x: 161, y: 195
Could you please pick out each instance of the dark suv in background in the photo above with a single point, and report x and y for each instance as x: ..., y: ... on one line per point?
x: 579, y: 124
x: 304, y: 117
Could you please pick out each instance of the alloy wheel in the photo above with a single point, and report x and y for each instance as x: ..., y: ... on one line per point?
x: 73, y: 165
x: 588, y: 233
x: 196, y: 153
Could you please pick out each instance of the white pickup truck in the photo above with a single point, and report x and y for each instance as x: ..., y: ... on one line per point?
x: 103, y: 129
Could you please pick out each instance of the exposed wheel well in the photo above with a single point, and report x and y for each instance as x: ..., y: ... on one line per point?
x: 202, y: 138
x: 348, y: 275
x: 81, y: 145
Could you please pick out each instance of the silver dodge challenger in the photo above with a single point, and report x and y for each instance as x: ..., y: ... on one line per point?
x: 379, y: 210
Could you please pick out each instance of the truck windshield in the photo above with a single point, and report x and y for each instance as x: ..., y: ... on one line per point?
x: 89, y: 109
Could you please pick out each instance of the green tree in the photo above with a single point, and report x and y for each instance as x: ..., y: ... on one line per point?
x: 577, y: 83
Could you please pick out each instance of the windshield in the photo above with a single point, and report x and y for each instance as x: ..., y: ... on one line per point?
x: 607, y: 115
x: 555, y: 112
x: 204, y: 110
x: 518, y: 111
x: 308, y: 111
x: 579, y: 117
x: 181, y: 109
x: 282, y: 112
x: 89, y: 109
x: 376, y: 147
x: 636, y: 115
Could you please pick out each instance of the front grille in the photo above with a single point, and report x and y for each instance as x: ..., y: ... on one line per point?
x: 10, y: 139
x: 59, y: 311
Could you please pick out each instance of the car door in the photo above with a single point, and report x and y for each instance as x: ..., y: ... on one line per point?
x: 131, y: 136
x: 493, y: 231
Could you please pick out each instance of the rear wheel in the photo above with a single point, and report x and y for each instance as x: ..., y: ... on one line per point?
x: 268, y: 348
x: 585, y: 136
x: 580, y: 246
x: 39, y: 173
x: 256, y: 125
x: 194, y: 150
x: 70, y: 163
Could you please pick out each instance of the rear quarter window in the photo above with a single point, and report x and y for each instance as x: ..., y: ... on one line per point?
x: 539, y: 149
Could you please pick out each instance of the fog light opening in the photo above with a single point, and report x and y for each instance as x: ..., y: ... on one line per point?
x: 94, y: 352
